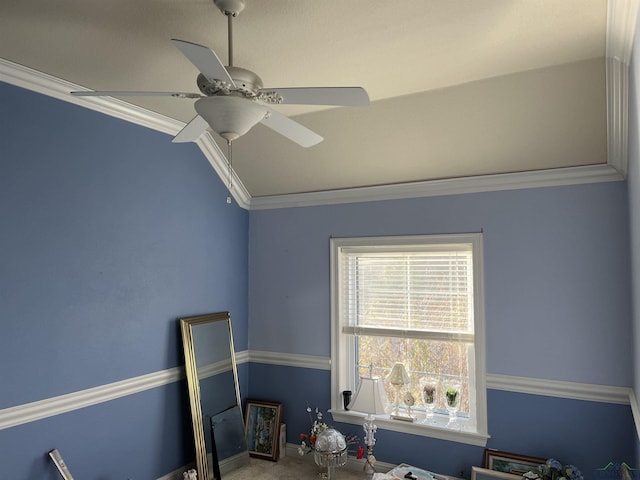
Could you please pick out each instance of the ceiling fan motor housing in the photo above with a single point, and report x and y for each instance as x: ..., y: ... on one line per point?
x: 230, y: 7
x: 247, y: 83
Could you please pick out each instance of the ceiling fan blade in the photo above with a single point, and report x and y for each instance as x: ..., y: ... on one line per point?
x: 205, y: 60
x: 291, y: 129
x: 192, y: 130
x: 110, y: 93
x: 344, y: 96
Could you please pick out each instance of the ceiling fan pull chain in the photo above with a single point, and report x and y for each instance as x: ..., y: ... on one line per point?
x: 230, y: 155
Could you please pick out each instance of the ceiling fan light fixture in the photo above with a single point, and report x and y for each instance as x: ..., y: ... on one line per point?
x: 230, y: 117
x: 234, y: 97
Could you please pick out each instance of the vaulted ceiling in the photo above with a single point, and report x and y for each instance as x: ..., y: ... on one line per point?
x: 459, y: 89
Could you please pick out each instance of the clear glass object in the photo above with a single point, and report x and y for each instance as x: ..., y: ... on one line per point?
x: 452, y: 400
x: 429, y: 394
x: 330, y: 451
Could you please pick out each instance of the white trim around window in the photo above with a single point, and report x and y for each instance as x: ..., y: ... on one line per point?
x: 342, y: 354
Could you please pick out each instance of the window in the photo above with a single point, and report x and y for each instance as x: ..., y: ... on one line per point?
x: 416, y: 300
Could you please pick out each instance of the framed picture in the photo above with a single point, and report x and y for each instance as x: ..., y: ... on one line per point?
x: 478, y: 473
x: 510, y: 462
x: 262, y: 428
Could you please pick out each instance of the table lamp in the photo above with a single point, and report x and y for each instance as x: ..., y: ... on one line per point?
x: 372, y: 400
x: 398, y: 377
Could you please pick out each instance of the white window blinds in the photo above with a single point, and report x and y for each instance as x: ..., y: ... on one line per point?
x: 423, y: 291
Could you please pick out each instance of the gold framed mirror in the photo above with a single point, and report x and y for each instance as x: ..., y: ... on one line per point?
x: 214, y: 394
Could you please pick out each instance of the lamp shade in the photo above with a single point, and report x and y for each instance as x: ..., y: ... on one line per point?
x: 398, y: 375
x: 370, y: 397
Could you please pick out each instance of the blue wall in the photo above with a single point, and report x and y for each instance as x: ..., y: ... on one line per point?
x: 556, y: 268
x: 110, y: 234
x: 634, y: 207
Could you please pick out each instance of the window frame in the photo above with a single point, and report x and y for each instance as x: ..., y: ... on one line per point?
x: 343, y: 354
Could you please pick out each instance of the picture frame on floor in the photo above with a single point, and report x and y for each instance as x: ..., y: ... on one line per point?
x: 262, y: 428
x: 508, y: 462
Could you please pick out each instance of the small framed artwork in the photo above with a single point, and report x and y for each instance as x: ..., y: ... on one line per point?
x: 262, y: 428
x: 507, y: 462
x: 478, y: 473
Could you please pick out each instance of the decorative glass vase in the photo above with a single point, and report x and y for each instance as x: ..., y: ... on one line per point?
x: 429, y: 393
x: 452, y: 400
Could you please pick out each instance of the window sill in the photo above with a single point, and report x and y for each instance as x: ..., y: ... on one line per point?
x: 440, y: 430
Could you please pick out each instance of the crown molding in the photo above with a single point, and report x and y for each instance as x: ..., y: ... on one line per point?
x: 617, y: 80
x: 218, y: 161
x: 453, y: 186
x: 621, y: 22
x: 51, y: 86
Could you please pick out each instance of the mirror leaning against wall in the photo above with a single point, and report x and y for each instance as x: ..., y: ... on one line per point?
x: 214, y: 395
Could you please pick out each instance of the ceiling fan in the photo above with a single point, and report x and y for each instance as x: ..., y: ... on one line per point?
x: 233, y: 100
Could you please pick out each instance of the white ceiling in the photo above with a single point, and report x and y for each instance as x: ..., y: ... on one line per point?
x: 458, y: 88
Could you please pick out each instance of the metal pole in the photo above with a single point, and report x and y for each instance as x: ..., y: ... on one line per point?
x: 230, y: 37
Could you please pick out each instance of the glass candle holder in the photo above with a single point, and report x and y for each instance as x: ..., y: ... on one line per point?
x: 429, y: 394
x: 452, y: 400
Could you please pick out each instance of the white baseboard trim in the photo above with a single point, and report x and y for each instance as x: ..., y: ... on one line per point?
x: 30, y: 412
x: 177, y: 474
